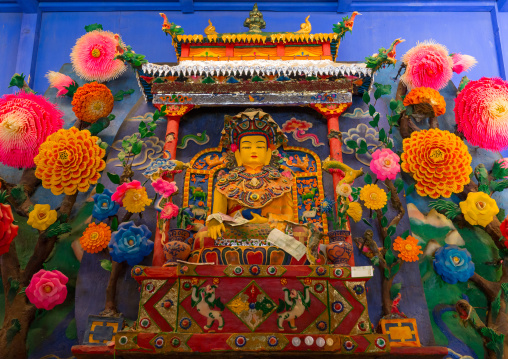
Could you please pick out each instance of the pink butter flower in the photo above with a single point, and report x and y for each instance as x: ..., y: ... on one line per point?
x: 120, y: 191
x: 60, y: 82
x: 462, y: 63
x: 169, y: 211
x: 385, y: 164
x: 164, y: 188
x: 47, y: 289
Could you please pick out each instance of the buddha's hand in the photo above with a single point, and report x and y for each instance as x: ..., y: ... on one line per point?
x: 257, y: 219
x: 215, y: 228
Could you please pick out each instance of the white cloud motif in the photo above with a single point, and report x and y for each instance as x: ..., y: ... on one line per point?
x: 152, y: 149
x: 357, y: 134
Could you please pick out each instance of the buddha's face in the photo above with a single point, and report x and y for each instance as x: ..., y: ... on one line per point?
x: 253, y: 151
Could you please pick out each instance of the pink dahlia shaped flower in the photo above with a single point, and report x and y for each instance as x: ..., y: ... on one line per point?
x: 164, y: 188
x: 120, y: 191
x: 60, y: 82
x: 385, y: 164
x: 462, y: 63
x: 427, y: 65
x: 47, y: 289
x: 169, y: 211
x: 93, y: 57
x: 26, y: 120
x: 481, y: 113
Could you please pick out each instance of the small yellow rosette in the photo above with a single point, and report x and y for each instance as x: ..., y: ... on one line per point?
x: 479, y: 208
x: 42, y: 217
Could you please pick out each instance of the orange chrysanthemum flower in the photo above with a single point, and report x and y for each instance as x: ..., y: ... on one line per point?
x: 69, y: 161
x: 408, y: 248
x: 92, y: 101
x: 438, y: 161
x: 95, y: 238
x: 426, y: 98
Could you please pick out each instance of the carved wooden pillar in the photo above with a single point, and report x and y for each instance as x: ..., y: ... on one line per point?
x: 332, y: 112
x: 173, y: 114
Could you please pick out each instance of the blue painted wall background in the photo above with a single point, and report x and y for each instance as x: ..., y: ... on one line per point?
x: 10, y: 29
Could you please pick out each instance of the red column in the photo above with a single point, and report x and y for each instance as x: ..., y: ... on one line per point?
x: 173, y: 114
x: 281, y: 48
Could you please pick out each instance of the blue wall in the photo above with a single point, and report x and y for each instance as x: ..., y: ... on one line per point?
x: 142, y: 30
x: 10, y: 29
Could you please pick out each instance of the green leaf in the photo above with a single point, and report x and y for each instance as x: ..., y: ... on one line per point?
x: 499, y: 172
x: 136, y: 147
x: 391, y: 230
x: 399, y: 184
x: 57, y: 229
x: 106, y: 264
x: 372, y: 110
x: 352, y: 144
x: 126, y: 145
x: 121, y: 156
x: 374, y: 215
x: 114, y: 223
x: 113, y: 178
x: 367, y: 179
x: 120, y: 94
x: 71, y: 331
x: 375, y: 260
x: 366, y: 97
x: 17, y: 80
x: 387, y: 273
x: 375, y: 121
x: 382, y: 135
x: 499, y: 186
x: 410, y: 189
x: 363, y: 147
x: 18, y: 193
x: 366, y: 222
x: 501, y: 215
x: 93, y: 27
x: 389, y: 257
x: 384, y: 221
x: 387, y: 243
x: 495, y: 340
x: 463, y: 82
x: 405, y: 234
x: 99, y: 188
x: 393, y: 105
x: 496, y: 306
x: 395, y: 269
x: 395, y: 290
x: 382, y: 90
x: 385, y: 208
x: 448, y: 208
x: 393, y: 120
x: 99, y: 125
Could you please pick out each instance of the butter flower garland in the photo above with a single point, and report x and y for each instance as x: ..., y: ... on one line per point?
x: 69, y: 161
x: 42, y: 217
x: 438, y: 161
x: 479, y: 208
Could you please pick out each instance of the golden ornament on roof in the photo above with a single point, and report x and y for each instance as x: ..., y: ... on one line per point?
x: 305, y: 27
x: 210, y: 29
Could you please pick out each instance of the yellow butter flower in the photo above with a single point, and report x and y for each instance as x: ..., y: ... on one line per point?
x: 95, y: 238
x: 42, y: 217
x: 408, y: 248
x: 135, y: 200
x: 373, y: 196
x: 355, y: 211
x: 479, y: 208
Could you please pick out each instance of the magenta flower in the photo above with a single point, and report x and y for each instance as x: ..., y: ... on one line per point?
x: 47, y: 289
x: 427, y: 65
x: 481, y: 113
x: 93, y: 56
x: 385, y: 164
x: 60, y: 82
x: 462, y: 62
x: 120, y: 191
x: 169, y: 211
x: 234, y: 147
x: 26, y: 120
x: 164, y: 188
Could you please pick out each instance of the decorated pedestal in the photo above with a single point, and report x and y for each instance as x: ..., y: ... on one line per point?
x: 209, y: 308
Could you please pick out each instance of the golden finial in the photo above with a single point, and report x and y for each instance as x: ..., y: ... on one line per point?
x: 305, y: 27
x: 210, y: 29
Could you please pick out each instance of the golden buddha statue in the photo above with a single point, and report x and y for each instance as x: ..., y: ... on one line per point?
x: 255, y: 196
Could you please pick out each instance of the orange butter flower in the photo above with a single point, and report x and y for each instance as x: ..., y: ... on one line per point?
x: 438, y: 161
x: 408, y: 248
x: 69, y: 161
x: 95, y: 238
x: 426, y: 96
x: 92, y: 101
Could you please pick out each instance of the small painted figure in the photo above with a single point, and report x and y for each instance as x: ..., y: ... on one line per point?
x: 203, y: 299
x: 292, y: 307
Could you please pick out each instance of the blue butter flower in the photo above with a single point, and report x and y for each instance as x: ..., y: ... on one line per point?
x: 130, y: 243
x: 103, y: 205
x: 453, y: 264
